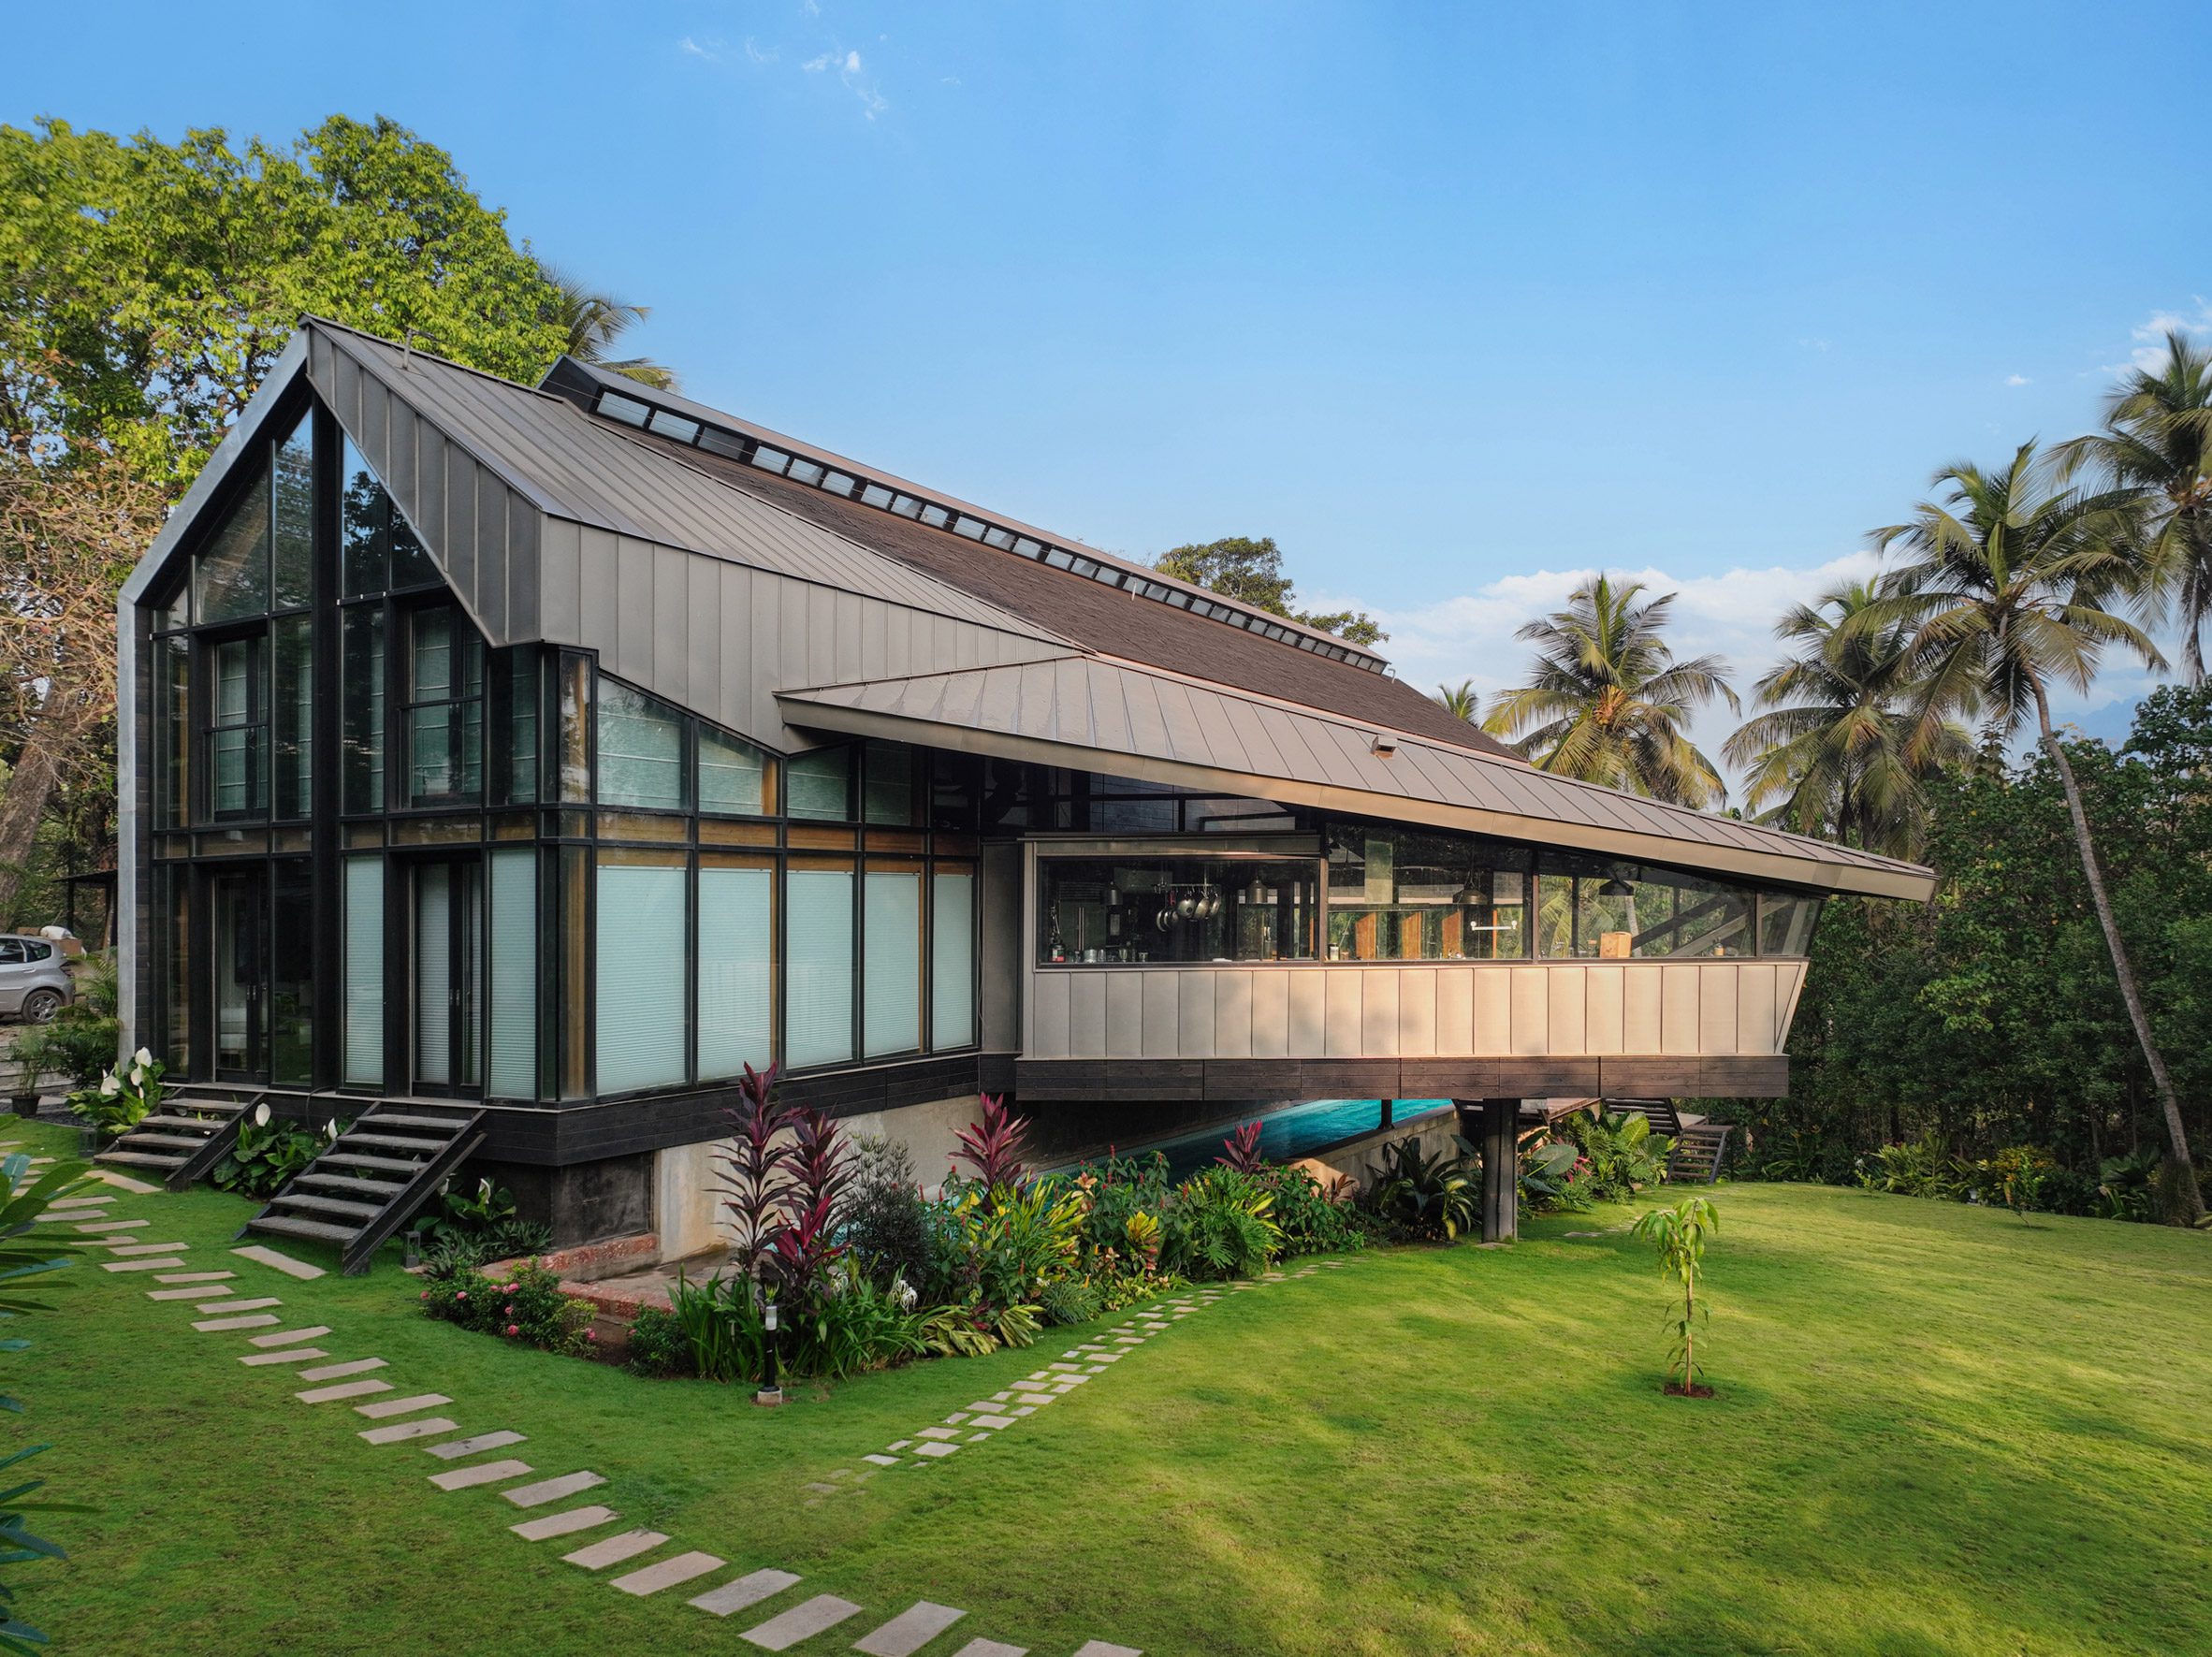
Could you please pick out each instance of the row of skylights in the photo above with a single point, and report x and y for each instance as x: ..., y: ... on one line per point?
x: 683, y: 428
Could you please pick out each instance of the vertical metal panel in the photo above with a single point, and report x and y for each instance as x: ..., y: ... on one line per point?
x: 1455, y: 1009
x: 1163, y: 1014
x: 1271, y: 1014
x: 425, y: 509
x: 1378, y: 1013
x: 1125, y: 1015
x: 460, y: 552
x: 1678, y: 1010
x: 848, y: 625
x: 599, y: 580
x: 372, y: 414
x: 670, y: 659
x: 1755, y: 983
x: 560, y: 566
x: 399, y: 469
x: 819, y: 638
x: 703, y: 619
x: 1602, y: 1001
x: 1049, y: 996
x: 1002, y: 951
x: 634, y: 610
x: 1309, y: 1010
x: 873, y: 649
x: 1416, y: 1013
x: 524, y: 525
x: 1563, y: 1013
x: 1716, y: 1007
x: 1341, y: 1029
x: 1195, y: 992
x: 733, y: 640
x: 1087, y: 1013
x: 1531, y: 1019
x: 1232, y: 1014
x: 491, y: 559
x: 1494, y: 1009
x: 767, y: 625
x: 1642, y: 996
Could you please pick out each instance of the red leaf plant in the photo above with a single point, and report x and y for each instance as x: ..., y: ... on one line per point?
x: 1243, y: 1150
x: 994, y: 1146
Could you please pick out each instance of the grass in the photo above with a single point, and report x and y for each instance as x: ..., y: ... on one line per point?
x: 1937, y: 1430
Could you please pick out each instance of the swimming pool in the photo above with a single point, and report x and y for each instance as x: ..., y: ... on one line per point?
x: 1293, y: 1131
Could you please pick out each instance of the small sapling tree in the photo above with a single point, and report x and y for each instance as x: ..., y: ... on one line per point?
x: 1678, y: 1234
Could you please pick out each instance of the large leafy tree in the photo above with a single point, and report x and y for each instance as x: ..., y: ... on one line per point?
x: 594, y: 321
x: 2158, y: 440
x: 2007, y: 594
x: 1607, y: 700
x: 1837, y: 749
x: 1251, y: 572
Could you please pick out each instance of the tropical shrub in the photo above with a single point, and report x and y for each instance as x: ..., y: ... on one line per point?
x: 659, y: 1348
x: 1678, y: 1235
x: 476, y: 1226
x: 994, y: 1146
x: 1920, y: 1168
x: 1306, y: 1221
x: 1554, y: 1177
x: 1071, y: 1300
x: 1219, y: 1225
x: 724, y: 1324
x: 848, y: 1324
x: 883, y: 1220
x: 124, y: 1096
x: 1423, y: 1195
x: 268, y: 1152
x: 79, y: 1043
x: 1242, y: 1150
x: 526, y: 1307
x: 1623, y: 1154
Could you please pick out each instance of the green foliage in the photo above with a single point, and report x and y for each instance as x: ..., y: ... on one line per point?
x: 1427, y: 1196
x: 124, y: 1096
x: 1920, y: 1168
x: 1251, y: 572
x: 883, y: 1218
x: 1221, y: 1226
x: 1306, y: 1221
x: 268, y: 1151
x: 849, y: 1324
x: 526, y: 1307
x: 659, y: 1347
x: 1551, y: 1178
x: 1624, y: 1155
x: 724, y: 1325
x: 1071, y: 1300
x: 1677, y: 1236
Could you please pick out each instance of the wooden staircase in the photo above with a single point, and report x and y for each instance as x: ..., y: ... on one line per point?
x: 373, y: 1178
x: 182, y: 1141
x: 1698, y: 1145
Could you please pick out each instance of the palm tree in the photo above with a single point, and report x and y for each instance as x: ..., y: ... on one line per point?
x: 1835, y: 747
x: 2158, y: 439
x: 594, y: 321
x: 1460, y: 701
x: 1608, y: 700
x: 2009, y: 593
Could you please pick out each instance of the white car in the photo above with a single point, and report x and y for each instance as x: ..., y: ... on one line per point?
x: 34, y: 982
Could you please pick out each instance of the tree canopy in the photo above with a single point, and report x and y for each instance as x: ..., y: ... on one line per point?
x: 1251, y: 572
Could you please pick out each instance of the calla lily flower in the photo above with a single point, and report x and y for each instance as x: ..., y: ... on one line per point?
x: 142, y: 1059
x: 110, y: 1086
x: 261, y: 1115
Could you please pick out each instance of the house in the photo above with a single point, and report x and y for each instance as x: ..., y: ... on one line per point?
x: 565, y: 750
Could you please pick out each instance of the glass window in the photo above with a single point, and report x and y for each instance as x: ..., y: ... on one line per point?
x: 293, y: 536
x: 173, y: 920
x: 890, y: 784
x: 516, y: 682
x: 1177, y: 908
x: 172, y: 732
x: 1598, y: 907
x: 818, y: 995
x: 445, y: 708
x: 231, y: 577
x: 891, y: 989
x: 952, y: 957
x: 1786, y: 924
x: 641, y: 749
x: 378, y: 552
x: 576, y: 728
x: 736, y: 963
x: 572, y: 1044
x: 361, y: 694
x: 640, y: 970
x: 292, y: 742
x: 292, y: 977
x: 1397, y: 895
x: 820, y: 785
x: 364, y: 972
x: 514, y: 1070
x: 237, y: 726
x: 735, y: 777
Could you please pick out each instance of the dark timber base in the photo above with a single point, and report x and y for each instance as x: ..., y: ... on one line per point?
x: 1493, y: 1125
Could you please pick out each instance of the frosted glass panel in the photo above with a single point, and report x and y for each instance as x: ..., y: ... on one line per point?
x: 641, y: 751
x: 891, y: 995
x: 737, y: 969
x: 640, y: 976
x: 433, y: 974
x: 952, y: 961
x: 818, y: 1000
x: 513, y: 974
x: 364, y: 971
x: 820, y: 785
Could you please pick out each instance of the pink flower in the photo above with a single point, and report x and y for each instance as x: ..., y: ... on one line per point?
x: 513, y: 1329
x: 460, y: 1294
x: 426, y: 1294
x: 591, y: 1334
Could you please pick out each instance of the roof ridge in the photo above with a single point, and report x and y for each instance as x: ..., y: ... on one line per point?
x: 405, y: 349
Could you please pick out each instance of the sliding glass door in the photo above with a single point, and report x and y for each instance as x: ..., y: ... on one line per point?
x: 447, y: 950
x: 239, y: 901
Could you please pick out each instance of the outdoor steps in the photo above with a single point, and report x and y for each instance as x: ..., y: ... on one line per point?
x: 1698, y: 1149
x: 183, y: 1141
x: 371, y: 1178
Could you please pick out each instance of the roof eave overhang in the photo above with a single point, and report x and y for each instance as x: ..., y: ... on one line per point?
x: 1914, y: 885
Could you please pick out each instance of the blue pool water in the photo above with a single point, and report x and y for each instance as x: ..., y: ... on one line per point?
x: 1294, y: 1130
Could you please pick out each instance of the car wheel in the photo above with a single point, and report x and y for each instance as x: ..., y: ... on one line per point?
x: 41, y: 1005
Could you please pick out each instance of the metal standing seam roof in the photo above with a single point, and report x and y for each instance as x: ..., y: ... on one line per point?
x: 1140, y: 722
x: 573, y: 467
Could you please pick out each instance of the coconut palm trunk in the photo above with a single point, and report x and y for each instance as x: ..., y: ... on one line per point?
x: 2180, y: 1172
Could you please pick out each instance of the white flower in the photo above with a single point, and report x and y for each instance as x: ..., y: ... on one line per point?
x: 331, y: 1129
x: 260, y: 1116
x: 110, y: 1086
x: 137, y: 1077
x: 141, y: 1058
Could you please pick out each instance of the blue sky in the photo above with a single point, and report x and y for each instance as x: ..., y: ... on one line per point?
x: 1454, y: 301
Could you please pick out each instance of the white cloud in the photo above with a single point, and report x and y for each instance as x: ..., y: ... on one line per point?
x: 2017, y: 380
x: 692, y: 48
x: 2149, y: 352
x: 758, y: 55
x: 814, y: 65
x: 853, y: 62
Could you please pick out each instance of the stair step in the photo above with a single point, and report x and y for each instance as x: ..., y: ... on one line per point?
x: 448, y: 1124
x: 201, y: 1122
x: 138, y: 1140
x: 141, y: 1158
x: 342, y: 1182
x: 291, y: 1228
x: 364, y: 1211
x: 350, y: 1159
x: 393, y: 1141
x: 226, y: 1107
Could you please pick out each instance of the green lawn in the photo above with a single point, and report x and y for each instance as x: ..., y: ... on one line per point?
x: 1938, y: 1430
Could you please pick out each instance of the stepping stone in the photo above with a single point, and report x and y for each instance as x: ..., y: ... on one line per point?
x: 902, y: 1444
x: 396, y: 1406
x: 269, y: 1257
x: 258, y: 1320
x: 1109, y: 1358
x: 330, y: 1371
x: 115, y: 1226
x: 476, y: 1446
x: 991, y: 1648
x: 985, y: 1409
x: 122, y: 1182
x: 343, y: 1390
x: 1034, y: 1399
x: 484, y: 1473
x: 615, y: 1549
x: 881, y: 1460
x: 1068, y: 1383
x: 977, y: 1437
x: 296, y: 1355
x: 67, y: 1202
x: 996, y: 1423
x: 1066, y: 1367
x: 1023, y: 1409
x: 935, y: 1449
x: 667, y: 1573
x: 1100, y: 1371
x: 128, y: 1249
x: 744, y: 1591
x: 194, y: 1277
x: 1101, y: 1649
x: 955, y: 1417
x: 224, y: 1308
x: 802, y: 1622
x: 557, y: 1524
x: 140, y: 1265
x: 552, y: 1489
x: 288, y: 1337
x: 909, y: 1631
x: 175, y: 1294
x: 937, y: 1433
x: 428, y: 1426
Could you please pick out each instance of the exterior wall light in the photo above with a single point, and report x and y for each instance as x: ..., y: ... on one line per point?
x: 1382, y: 745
